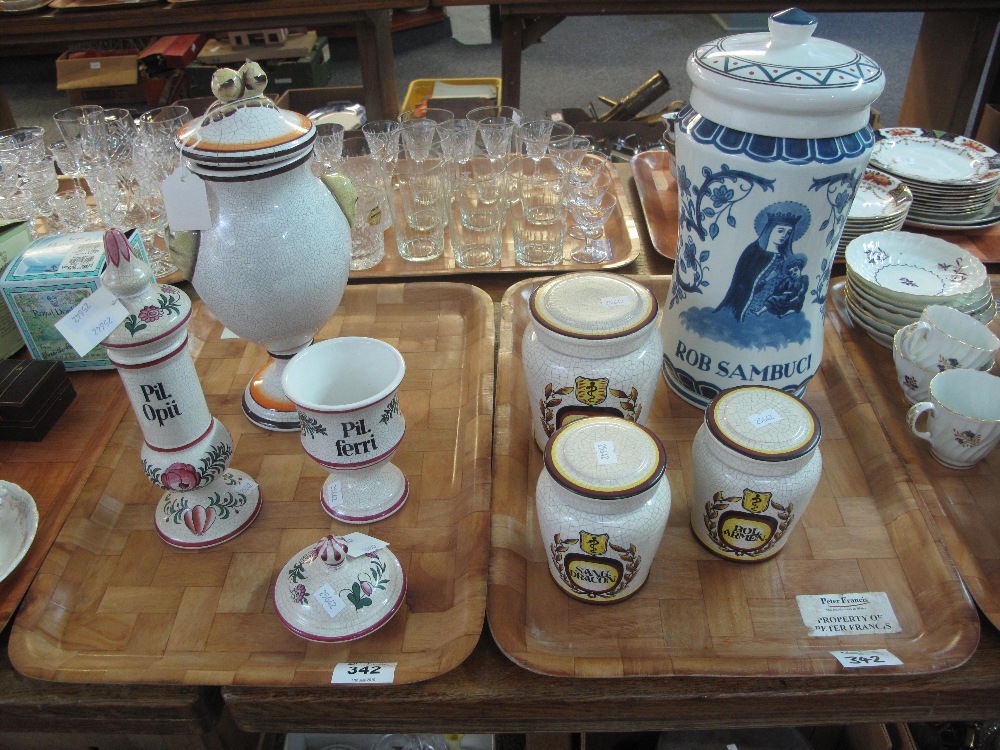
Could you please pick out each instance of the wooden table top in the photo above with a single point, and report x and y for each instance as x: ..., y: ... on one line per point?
x: 487, y: 692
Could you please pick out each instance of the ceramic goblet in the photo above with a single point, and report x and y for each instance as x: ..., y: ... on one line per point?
x: 345, y: 390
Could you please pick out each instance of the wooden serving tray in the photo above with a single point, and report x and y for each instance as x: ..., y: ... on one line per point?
x: 112, y: 603
x: 620, y: 229
x: 865, y: 530
x: 964, y: 504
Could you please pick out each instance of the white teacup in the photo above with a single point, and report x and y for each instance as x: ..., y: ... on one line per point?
x: 963, y: 417
x: 345, y: 390
x: 945, y: 339
x: 912, y: 378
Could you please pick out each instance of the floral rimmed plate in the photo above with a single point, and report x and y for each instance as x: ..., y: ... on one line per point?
x: 323, y: 594
x: 935, y: 158
x: 908, y: 265
x: 942, y: 224
x: 18, y: 526
x: 879, y: 197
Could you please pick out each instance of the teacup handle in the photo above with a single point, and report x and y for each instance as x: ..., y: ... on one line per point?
x: 917, y: 334
x: 914, y: 414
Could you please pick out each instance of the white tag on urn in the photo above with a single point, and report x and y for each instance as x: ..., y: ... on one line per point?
x: 867, y: 613
x: 329, y: 600
x: 186, y: 200
x: 876, y: 657
x: 359, y: 544
x: 766, y: 417
x: 90, y: 322
x: 605, y: 451
x: 362, y: 672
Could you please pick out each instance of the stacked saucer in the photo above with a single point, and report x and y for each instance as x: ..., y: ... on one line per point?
x: 881, y: 203
x: 893, y: 276
x: 954, y: 180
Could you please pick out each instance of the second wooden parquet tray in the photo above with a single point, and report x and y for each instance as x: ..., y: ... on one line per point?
x: 964, y: 504
x: 865, y: 530
x: 620, y: 229
x: 113, y: 603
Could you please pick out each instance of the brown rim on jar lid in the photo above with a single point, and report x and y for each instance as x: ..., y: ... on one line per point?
x: 763, y: 423
x: 592, y: 305
x: 605, y: 457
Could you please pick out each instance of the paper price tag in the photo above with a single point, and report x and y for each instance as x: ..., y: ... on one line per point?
x: 605, y: 451
x: 615, y: 301
x: 766, y: 417
x: 336, y: 494
x: 360, y: 672
x: 227, y: 334
x: 866, y: 613
x: 329, y: 600
x: 186, y: 201
x: 359, y: 544
x: 89, y: 323
x: 878, y: 657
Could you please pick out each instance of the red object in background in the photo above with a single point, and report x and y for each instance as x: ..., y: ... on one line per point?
x: 173, y: 51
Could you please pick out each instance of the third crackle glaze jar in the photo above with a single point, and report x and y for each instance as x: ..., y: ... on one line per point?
x: 769, y: 154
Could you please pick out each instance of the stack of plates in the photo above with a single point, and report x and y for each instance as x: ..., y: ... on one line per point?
x: 893, y: 276
x: 881, y: 203
x: 954, y: 180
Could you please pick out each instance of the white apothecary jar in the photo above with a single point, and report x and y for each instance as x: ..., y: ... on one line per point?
x: 756, y: 464
x: 769, y: 154
x: 590, y: 348
x: 602, y: 502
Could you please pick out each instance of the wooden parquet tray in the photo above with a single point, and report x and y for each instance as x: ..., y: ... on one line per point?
x: 620, y: 229
x: 112, y: 603
x: 865, y: 530
x: 964, y: 504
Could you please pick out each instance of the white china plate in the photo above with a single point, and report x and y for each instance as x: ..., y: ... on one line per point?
x: 299, y: 595
x: 981, y: 306
x: 18, y: 526
x: 879, y: 197
x: 882, y: 338
x: 890, y: 318
x: 935, y: 158
x: 915, y: 265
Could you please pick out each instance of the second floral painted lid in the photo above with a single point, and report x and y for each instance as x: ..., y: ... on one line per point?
x: 324, y: 594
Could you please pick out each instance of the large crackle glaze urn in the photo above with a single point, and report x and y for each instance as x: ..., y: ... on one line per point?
x: 769, y: 153
x: 274, y: 264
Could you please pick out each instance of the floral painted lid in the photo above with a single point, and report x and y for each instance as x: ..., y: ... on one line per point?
x: 784, y: 83
x: 593, y: 306
x: 324, y: 594
x: 763, y: 423
x: 605, y: 457
x: 155, y: 311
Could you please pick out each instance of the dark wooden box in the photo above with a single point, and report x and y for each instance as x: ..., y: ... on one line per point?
x: 33, y: 394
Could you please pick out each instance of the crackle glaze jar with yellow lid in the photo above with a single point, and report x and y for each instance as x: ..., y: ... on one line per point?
x: 756, y: 463
x: 602, y: 502
x: 590, y: 348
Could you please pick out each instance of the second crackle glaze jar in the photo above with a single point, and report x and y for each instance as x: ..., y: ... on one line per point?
x: 591, y: 348
x: 756, y: 464
x: 602, y: 502
x: 769, y: 154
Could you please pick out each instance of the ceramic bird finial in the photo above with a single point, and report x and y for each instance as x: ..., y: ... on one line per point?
x: 254, y: 78
x: 227, y: 85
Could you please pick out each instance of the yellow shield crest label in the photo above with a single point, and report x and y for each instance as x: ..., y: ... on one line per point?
x: 591, y: 392
x: 756, y: 502
x: 594, y: 544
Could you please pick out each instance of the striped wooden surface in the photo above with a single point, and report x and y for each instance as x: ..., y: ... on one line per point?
x: 53, y: 470
x: 964, y: 504
x: 865, y: 530
x: 113, y: 604
x: 620, y: 229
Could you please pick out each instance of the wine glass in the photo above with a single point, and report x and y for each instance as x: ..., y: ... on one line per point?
x: 591, y: 218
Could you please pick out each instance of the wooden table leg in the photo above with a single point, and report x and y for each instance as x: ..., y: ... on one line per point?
x: 378, y: 70
x: 948, y: 64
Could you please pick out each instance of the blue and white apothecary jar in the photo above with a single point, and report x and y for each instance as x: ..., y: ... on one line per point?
x: 769, y: 153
